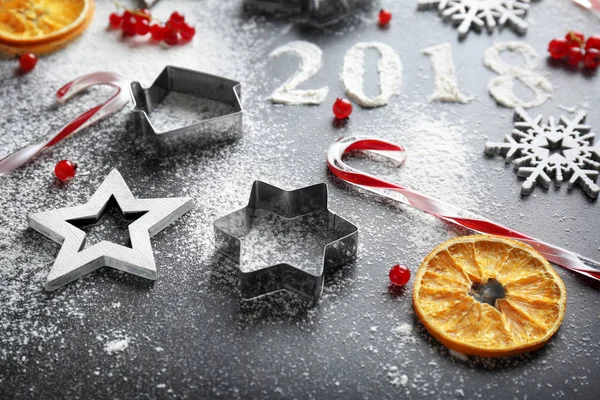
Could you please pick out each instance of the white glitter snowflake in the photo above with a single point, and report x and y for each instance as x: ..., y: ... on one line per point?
x: 467, y: 14
x: 542, y: 152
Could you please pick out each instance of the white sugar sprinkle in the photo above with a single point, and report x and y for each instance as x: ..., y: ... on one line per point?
x: 116, y: 346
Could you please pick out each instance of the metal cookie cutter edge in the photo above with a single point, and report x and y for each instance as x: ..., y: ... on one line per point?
x: 175, y: 79
x: 317, y: 13
x: 230, y: 228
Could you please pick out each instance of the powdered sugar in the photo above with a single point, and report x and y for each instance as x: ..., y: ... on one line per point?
x: 446, y: 86
x: 310, y: 63
x: 397, y: 378
x: 178, y: 110
x: 389, y: 68
x: 116, y: 346
x: 501, y: 88
x: 274, y: 239
x: 404, y: 333
x: 461, y: 356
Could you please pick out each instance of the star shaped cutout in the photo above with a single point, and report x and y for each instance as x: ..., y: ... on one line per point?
x: 74, y: 261
x: 265, y: 262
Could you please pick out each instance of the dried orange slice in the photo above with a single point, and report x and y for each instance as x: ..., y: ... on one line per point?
x: 41, y: 26
x: 489, y: 296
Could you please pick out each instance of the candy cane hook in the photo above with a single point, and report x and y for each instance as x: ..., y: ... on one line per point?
x: 112, y: 105
x: 441, y: 209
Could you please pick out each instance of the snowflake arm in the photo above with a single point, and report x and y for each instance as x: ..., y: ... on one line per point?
x: 585, y: 178
x: 487, y: 14
x: 575, y: 125
x: 513, y: 12
x: 466, y: 20
x: 476, y: 14
x: 534, y: 174
x: 524, y: 123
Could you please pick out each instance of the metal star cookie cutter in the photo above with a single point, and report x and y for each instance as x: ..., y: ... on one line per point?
x: 342, y: 237
x: 74, y: 261
x: 199, y: 84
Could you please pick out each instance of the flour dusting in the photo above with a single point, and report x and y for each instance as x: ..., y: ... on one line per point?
x: 501, y: 87
x: 404, y: 332
x: 389, y: 68
x: 461, y: 356
x: 310, y: 63
x: 274, y: 239
x: 396, y: 377
x: 179, y: 110
x: 444, y: 72
x: 116, y: 346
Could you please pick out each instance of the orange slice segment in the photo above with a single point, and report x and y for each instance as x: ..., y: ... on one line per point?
x: 489, y: 296
x: 464, y: 255
x: 41, y: 26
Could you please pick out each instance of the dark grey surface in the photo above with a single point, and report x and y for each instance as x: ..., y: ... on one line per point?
x: 213, y: 345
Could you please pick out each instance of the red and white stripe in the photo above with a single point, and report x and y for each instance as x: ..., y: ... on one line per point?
x: 95, y: 114
x: 441, y: 209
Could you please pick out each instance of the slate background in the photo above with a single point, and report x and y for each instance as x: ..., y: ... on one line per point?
x: 213, y: 345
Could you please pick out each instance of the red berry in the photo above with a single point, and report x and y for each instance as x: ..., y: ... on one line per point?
x: 65, y: 170
x: 143, y: 14
x: 592, y: 58
x: 187, y: 32
x: 575, y: 38
x: 128, y: 26
x: 27, y: 61
x: 574, y: 56
x: 126, y: 15
x: 114, y: 20
x: 171, y: 36
x: 176, y: 20
x: 342, y: 108
x: 593, y: 42
x: 157, y: 32
x: 175, y: 16
x: 384, y: 17
x: 558, y: 48
x: 142, y: 27
x: 399, y: 275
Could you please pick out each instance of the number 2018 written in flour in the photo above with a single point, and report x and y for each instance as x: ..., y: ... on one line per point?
x: 391, y: 73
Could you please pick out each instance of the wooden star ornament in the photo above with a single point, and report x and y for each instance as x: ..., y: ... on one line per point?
x: 74, y: 260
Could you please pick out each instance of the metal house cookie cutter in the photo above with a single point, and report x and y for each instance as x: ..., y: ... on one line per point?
x: 174, y: 79
x: 318, y: 13
x: 257, y: 282
x: 148, y: 3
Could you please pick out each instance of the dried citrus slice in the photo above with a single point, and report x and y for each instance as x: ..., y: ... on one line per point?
x: 489, y: 296
x: 41, y: 26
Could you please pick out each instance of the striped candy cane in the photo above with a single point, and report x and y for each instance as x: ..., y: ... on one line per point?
x: 440, y: 209
x: 112, y: 105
